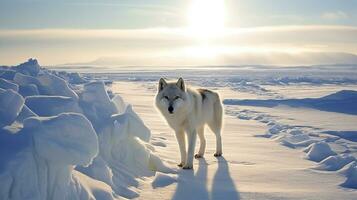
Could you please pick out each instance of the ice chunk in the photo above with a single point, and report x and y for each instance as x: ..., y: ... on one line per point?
x: 5, y: 84
x: 333, y: 163
x: 8, y: 74
x: 75, y: 78
x: 68, y: 138
x: 28, y: 90
x: 52, y: 105
x: 96, y: 103
x: 319, y: 151
x: 31, y: 67
x: 130, y: 121
x: 11, y: 104
x: 119, y: 103
x: 53, y: 85
x: 23, y: 80
x: 24, y: 114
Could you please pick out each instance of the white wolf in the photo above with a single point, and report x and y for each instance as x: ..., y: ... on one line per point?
x: 188, y: 111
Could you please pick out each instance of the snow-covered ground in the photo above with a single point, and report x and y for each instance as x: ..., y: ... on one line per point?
x: 289, y: 133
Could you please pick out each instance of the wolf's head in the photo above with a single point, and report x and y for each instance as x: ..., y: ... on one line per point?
x: 171, y: 96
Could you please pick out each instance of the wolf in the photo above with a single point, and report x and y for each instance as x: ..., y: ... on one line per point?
x: 187, y: 111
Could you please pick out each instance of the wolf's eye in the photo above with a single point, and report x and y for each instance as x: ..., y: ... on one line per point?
x: 176, y: 97
x: 166, y: 97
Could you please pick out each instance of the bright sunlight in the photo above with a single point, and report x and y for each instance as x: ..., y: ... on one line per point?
x: 206, y: 18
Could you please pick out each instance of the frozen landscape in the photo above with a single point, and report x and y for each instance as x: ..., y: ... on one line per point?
x: 289, y: 133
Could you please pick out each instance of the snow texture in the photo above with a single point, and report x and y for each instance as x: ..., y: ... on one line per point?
x: 163, y: 180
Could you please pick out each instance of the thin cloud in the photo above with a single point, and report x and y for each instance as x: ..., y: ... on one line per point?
x: 337, y: 15
x: 167, y: 46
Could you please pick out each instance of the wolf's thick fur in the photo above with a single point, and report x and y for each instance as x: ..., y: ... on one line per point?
x: 188, y: 111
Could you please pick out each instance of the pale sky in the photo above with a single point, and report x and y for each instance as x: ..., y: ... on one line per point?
x: 179, y: 32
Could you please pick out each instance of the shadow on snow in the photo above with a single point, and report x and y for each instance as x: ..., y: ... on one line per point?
x: 194, y: 186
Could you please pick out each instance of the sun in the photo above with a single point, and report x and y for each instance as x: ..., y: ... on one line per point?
x: 206, y: 18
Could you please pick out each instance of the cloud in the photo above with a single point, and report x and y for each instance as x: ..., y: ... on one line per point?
x: 337, y: 15
x: 177, y: 46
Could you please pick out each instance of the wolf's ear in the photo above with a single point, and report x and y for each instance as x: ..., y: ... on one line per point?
x: 181, y: 84
x: 162, y: 84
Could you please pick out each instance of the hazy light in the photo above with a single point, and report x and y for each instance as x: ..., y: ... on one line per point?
x: 206, y: 18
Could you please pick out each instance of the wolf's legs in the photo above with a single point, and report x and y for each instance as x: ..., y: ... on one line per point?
x: 217, y: 131
x: 180, y: 136
x: 191, y: 138
x: 201, y: 151
x: 216, y: 126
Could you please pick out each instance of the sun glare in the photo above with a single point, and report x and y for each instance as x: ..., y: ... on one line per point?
x: 206, y: 18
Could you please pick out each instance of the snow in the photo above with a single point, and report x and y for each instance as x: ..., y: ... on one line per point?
x: 350, y: 171
x: 341, y: 101
x: 333, y: 163
x: 163, y: 180
x: 86, y: 136
x: 318, y: 151
x: 253, y: 167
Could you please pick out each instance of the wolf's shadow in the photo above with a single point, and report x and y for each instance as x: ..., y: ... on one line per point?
x: 194, y: 186
x: 223, y: 186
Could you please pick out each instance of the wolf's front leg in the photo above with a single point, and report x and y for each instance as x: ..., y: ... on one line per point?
x: 180, y: 136
x: 191, y: 139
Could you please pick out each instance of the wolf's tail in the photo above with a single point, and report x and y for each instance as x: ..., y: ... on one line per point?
x: 218, y: 110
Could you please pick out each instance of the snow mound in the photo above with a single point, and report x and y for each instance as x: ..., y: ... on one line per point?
x: 350, y: 171
x: 11, y: 104
x: 318, y: 151
x: 333, y: 163
x: 163, y: 180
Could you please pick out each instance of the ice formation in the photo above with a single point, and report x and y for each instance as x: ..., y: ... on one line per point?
x: 63, y: 137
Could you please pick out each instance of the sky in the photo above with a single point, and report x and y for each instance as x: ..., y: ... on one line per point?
x: 178, y: 32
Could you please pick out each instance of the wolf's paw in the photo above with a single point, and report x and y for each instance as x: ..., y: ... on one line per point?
x: 198, y: 156
x: 187, y: 167
x: 217, y: 154
x: 181, y: 164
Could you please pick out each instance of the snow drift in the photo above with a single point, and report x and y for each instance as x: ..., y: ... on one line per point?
x: 63, y: 137
x: 342, y: 101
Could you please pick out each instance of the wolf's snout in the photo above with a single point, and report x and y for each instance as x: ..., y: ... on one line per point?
x: 171, y: 109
